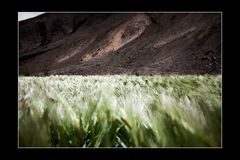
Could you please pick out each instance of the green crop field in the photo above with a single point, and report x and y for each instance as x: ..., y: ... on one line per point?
x: 120, y: 111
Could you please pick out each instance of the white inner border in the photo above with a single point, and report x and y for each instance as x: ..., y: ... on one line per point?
x: 218, y: 12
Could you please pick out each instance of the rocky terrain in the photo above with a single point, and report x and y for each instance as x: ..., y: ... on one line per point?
x: 120, y: 43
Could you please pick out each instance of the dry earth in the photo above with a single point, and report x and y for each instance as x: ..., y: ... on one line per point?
x: 120, y: 43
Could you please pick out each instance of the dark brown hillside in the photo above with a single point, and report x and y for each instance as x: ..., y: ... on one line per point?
x: 126, y: 43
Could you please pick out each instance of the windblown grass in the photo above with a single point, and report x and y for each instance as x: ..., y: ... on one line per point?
x: 120, y: 111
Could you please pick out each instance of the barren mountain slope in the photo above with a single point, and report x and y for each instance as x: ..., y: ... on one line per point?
x: 137, y: 43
